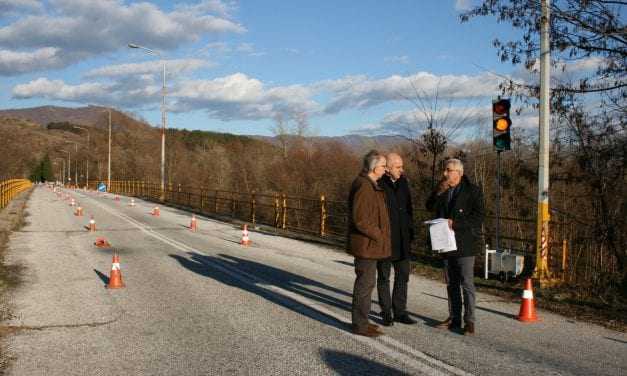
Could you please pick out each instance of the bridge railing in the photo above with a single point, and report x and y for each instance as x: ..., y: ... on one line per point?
x: 572, y: 252
x: 10, y: 188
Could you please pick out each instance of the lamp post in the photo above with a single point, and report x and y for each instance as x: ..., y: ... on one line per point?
x: 75, y: 163
x: 61, y: 175
x: 68, y: 165
x: 163, y: 116
x: 86, y: 130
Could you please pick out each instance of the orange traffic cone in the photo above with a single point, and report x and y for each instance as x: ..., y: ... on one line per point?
x: 102, y: 243
x: 193, y: 225
x: 117, y: 198
x: 92, y: 224
x: 156, y: 212
x: 115, y: 280
x: 133, y: 202
x: 245, y: 240
x: 72, y: 203
x: 527, y: 307
x: 79, y: 211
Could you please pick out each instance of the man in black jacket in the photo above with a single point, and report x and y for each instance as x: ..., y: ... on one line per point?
x: 400, y: 209
x: 461, y: 202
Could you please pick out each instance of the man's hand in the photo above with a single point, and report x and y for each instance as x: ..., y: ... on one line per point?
x: 442, y: 187
x: 450, y: 224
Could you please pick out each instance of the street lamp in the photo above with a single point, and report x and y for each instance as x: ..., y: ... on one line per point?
x: 62, y: 175
x: 68, y: 165
x: 75, y: 163
x: 86, y: 130
x: 163, y: 116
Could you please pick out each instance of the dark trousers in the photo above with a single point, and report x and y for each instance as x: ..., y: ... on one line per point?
x: 397, y: 302
x: 366, y: 274
x: 459, y: 273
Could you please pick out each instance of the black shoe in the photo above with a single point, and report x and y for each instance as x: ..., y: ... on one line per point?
x: 387, y: 319
x: 405, y: 319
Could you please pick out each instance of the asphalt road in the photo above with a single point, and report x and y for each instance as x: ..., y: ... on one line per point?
x: 201, y: 304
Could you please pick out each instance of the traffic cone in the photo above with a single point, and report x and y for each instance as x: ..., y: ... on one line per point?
x: 132, y: 202
x: 156, y: 212
x: 115, y: 280
x: 527, y: 307
x: 102, y: 243
x: 73, y: 203
x: 193, y: 225
x: 245, y: 240
x: 117, y: 198
x: 92, y: 224
x: 79, y: 211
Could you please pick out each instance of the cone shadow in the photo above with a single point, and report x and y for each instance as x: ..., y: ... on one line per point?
x: 102, y: 276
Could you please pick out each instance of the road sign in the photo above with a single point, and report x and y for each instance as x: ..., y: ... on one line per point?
x: 102, y: 187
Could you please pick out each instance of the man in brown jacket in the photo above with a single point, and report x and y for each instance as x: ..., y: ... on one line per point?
x: 368, y: 239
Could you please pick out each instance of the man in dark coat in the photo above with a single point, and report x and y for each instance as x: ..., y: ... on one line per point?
x: 368, y: 238
x: 400, y: 208
x: 461, y: 202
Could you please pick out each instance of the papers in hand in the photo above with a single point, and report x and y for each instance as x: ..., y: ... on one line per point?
x: 442, y: 237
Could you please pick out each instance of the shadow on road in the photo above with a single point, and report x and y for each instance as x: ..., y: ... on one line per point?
x: 209, y: 266
x: 102, y: 276
x: 349, y: 364
x: 499, y: 313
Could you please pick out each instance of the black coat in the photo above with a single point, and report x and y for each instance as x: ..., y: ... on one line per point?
x: 400, y: 209
x: 467, y: 212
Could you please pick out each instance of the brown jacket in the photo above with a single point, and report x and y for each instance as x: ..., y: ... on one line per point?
x: 369, y: 222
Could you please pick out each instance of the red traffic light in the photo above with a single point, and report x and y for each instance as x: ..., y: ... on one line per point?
x: 501, y: 107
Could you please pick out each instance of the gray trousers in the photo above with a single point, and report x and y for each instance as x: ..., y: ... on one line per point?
x: 366, y: 271
x: 459, y: 273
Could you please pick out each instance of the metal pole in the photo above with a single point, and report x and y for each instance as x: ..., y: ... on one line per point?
x: 542, y: 234
x: 498, y: 198
x: 163, y: 127
x: 76, y: 165
x: 88, y: 151
x: 109, y: 167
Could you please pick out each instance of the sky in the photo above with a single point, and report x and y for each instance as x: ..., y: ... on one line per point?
x: 246, y: 67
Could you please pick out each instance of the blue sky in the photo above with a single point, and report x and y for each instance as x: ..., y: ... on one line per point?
x: 340, y: 67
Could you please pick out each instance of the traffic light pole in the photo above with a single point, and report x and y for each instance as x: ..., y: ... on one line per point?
x: 542, y: 235
x: 498, y: 198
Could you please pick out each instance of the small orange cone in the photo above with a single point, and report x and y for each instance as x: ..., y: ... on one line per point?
x: 245, y: 240
x: 193, y: 225
x: 72, y: 203
x: 117, y: 198
x: 527, y: 307
x: 132, y: 202
x: 79, y: 211
x: 102, y: 243
x: 92, y: 224
x: 156, y: 212
x: 115, y: 280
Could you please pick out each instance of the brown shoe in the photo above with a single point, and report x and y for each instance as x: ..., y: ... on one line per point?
x: 373, y: 326
x: 444, y: 324
x: 368, y: 332
x: 469, y: 329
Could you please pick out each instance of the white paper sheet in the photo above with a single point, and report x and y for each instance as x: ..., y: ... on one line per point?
x: 442, y: 237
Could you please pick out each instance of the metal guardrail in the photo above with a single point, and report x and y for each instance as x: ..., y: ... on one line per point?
x: 11, y: 188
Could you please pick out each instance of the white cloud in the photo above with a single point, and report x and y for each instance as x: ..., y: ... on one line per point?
x: 57, y: 89
x: 361, y: 92
x: 14, y: 62
x: 397, y: 59
x: 462, y: 5
x: 85, y: 28
x: 11, y: 6
x: 173, y: 67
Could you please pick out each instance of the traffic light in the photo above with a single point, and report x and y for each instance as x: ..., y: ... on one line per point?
x: 501, y: 124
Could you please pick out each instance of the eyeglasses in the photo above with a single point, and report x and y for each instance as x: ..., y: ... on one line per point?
x: 450, y: 170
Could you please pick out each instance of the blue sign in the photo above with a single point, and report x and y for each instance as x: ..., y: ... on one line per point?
x: 102, y: 187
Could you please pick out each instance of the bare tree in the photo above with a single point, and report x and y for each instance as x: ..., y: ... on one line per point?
x: 436, y: 122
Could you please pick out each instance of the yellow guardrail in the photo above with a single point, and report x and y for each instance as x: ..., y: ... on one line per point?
x: 11, y: 188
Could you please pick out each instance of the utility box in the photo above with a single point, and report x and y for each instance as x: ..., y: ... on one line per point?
x: 505, y: 263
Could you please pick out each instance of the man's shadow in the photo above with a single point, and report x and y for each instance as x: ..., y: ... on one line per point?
x: 212, y: 267
x: 209, y: 266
